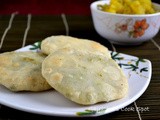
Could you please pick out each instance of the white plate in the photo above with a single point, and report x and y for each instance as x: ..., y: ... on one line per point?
x: 52, y: 103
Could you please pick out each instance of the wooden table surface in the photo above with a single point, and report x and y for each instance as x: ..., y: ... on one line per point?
x: 17, y: 31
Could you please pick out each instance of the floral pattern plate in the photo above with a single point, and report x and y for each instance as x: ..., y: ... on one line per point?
x: 52, y: 103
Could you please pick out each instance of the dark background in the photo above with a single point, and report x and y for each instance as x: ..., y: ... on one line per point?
x: 49, y: 7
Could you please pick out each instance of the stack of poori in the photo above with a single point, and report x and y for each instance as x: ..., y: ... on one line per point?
x: 81, y: 70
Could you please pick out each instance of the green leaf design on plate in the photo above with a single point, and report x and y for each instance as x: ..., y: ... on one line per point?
x: 115, y: 56
x: 90, y: 112
x: 36, y: 46
x: 134, y: 65
x: 139, y: 60
x: 144, y: 69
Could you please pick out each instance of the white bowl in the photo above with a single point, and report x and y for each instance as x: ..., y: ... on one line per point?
x: 125, y: 29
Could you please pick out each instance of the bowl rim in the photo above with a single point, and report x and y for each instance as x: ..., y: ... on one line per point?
x: 93, y: 7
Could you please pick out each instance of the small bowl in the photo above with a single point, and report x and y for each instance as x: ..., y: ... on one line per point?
x: 125, y: 29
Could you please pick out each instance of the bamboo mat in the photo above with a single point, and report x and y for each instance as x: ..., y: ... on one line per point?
x: 17, y: 31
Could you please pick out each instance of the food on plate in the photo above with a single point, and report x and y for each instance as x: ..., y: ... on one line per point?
x: 84, y: 77
x: 53, y: 43
x: 128, y: 7
x: 21, y: 71
x: 82, y: 70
